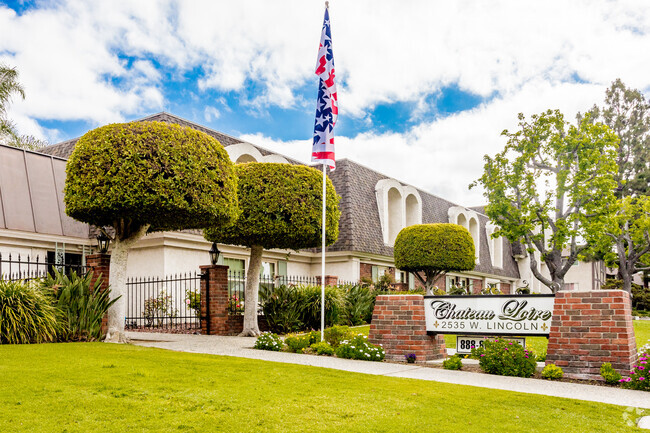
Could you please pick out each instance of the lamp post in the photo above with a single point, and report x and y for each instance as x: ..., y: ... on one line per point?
x: 214, y: 253
x: 102, y: 243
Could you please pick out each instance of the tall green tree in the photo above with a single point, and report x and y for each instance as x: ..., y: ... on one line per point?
x: 625, y: 237
x: 142, y: 177
x: 9, y: 135
x: 281, y: 207
x: 627, y: 113
x: 549, y: 186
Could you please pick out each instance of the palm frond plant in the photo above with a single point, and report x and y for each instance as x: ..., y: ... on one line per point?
x: 26, y: 314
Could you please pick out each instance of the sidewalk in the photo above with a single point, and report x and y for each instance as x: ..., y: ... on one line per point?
x: 243, y: 347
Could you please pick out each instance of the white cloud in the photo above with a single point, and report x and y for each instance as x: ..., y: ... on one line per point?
x: 444, y: 156
x: 99, y: 61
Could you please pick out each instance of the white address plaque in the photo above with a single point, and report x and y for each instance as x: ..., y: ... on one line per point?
x: 489, y: 314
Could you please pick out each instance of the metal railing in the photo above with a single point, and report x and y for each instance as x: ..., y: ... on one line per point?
x: 166, y: 304
x: 16, y: 268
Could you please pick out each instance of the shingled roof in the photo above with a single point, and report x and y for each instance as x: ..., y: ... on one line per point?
x: 360, y: 227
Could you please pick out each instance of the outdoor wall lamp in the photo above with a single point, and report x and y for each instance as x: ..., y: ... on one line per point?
x: 214, y: 253
x: 102, y: 243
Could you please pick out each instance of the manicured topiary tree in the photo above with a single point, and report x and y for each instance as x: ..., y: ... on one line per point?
x: 431, y: 250
x: 147, y: 176
x: 281, y: 207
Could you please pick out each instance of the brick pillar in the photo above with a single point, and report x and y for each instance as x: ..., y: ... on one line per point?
x: 477, y: 287
x: 398, y: 324
x: 506, y: 288
x: 214, y: 300
x: 330, y: 280
x: 100, y: 265
x: 589, y: 329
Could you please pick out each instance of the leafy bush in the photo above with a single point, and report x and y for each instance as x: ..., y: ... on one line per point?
x: 159, y: 308
x: 552, y: 372
x: 322, y: 348
x: 281, y: 309
x: 297, y: 343
x: 26, y: 314
x: 610, y: 375
x: 336, y: 334
x: 82, y: 305
x: 359, y: 303
x: 269, y: 341
x: 359, y: 348
x: 542, y: 356
x: 194, y: 301
x: 290, y: 309
x: 639, y: 377
x: 505, y: 358
x: 458, y: 290
x: 452, y: 363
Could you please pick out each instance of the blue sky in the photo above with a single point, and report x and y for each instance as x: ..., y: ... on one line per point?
x: 425, y: 87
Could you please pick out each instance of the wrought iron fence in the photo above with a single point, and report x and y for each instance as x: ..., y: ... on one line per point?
x: 15, y: 268
x: 165, y: 304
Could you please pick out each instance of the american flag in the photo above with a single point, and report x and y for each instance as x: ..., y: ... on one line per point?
x: 327, y: 109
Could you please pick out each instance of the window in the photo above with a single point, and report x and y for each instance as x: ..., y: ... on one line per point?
x: 65, y: 262
x: 235, y: 265
x: 400, y: 276
x: 466, y: 283
x: 399, y: 206
x: 267, y: 270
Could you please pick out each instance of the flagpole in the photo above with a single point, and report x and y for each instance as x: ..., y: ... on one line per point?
x: 322, y: 274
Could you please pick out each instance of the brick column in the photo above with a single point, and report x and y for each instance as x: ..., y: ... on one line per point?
x: 100, y: 265
x: 214, y: 300
x: 330, y: 280
x: 589, y: 329
x: 398, y: 324
x: 506, y: 288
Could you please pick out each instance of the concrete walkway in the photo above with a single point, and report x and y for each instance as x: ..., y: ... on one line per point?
x: 243, y: 347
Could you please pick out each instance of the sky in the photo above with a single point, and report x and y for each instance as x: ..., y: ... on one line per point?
x: 425, y: 88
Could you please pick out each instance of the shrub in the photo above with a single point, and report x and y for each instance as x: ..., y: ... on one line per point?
x: 610, y: 375
x: 552, y: 372
x: 434, y: 249
x: 193, y: 301
x: 322, y: 348
x: 26, y: 314
x: 291, y: 309
x: 452, y: 363
x: 159, y: 308
x: 505, y: 358
x: 639, y: 377
x: 269, y: 341
x: 297, y: 343
x: 359, y: 303
x: 410, y: 358
x: 281, y: 309
x: 359, y: 348
x: 82, y: 305
x: 542, y: 356
x: 336, y: 334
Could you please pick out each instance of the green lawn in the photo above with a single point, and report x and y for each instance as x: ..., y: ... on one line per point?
x: 95, y: 387
x: 538, y: 344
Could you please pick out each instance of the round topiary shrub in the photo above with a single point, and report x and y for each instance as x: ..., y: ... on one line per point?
x: 164, y: 175
x: 433, y: 249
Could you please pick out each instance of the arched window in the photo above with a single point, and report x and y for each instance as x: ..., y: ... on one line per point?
x: 462, y: 221
x: 245, y: 158
x: 413, y: 211
x: 395, y: 212
x: 474, y: 231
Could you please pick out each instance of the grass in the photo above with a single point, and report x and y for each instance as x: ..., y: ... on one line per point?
x: 91, y: 387
x: 538, y: 344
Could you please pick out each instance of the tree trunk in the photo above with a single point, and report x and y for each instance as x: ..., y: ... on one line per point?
x: 251, y: 329
x: 117, y: 281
